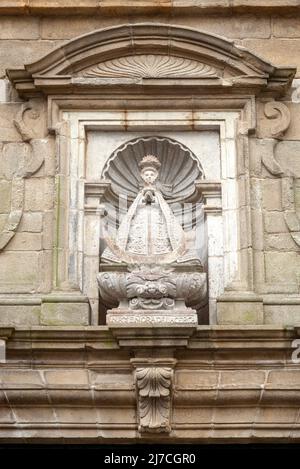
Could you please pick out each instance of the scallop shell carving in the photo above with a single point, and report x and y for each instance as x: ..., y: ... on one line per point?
x: 179, y: 168
x: 151, y: 66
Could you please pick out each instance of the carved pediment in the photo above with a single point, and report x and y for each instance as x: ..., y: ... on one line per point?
x: 148, y: 54
x: 151, y: 66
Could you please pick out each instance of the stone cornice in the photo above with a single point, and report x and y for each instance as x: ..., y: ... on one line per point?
x: 247, y: 343
x: 108, y: 7
x: 104, y: 58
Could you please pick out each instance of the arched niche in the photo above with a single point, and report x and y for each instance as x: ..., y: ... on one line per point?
x: 154, y: 79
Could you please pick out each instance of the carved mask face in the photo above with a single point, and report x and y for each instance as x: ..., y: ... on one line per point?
x: 149, y: 175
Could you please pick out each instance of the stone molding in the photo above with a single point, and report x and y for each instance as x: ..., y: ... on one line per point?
x: 76, y: 384
x: 236, y: 68
x: 108, y: 7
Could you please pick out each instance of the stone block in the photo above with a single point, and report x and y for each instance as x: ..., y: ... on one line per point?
x: 20, y: 378
x: 281, y: 267
x: 6, y: 415
x: 70, y: 378
x: 274, y: 222
x: 192, y: 415
x: 284, y: 315
x: 240, y: 312
x: 63, y: 28
x: 21, y: 27
x: 31, y: 222
x: 64, y: 314
x: 280, y: 242
x: 25, y: 242
x: 288, y: 26
x: 243, y: 378
x: 272, y: 194
x: 19, y: 271
x: 108, y: 381
x: 196, y: 379
x: 78, y: 415
x: 277, y: 415
x: 13, y: 315
x: 16, y: 53
x: 284, y: 378
x: 234, y: 415
x: 287, y: 153
x: 39, y: 194
x: 35, y: 415
x: 237, y: 26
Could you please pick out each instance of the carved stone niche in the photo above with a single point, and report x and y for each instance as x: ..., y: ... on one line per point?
x: 150, y: 275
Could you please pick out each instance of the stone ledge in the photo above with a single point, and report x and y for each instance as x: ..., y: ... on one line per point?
x: 109, y: 7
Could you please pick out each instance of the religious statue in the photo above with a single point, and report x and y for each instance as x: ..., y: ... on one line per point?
x: 151, y: 243
x: 149, y: 232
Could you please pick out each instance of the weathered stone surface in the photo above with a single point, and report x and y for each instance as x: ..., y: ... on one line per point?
x: 277, y: 51
x: 5, y: 196
x: 15, y: 53
x: 240, y: 312
x: 39, y: 194
x: 287, y: 153
x: 19, y: 28
x: 272, y: 194
x: 26, y: 242
x: 286, y: 26
x: 19, y: 271
x: 8, y: 132
x: 69, y: 378
x: 18, y: 315
x: 281, y: 266
x: 274, y: 222
x: 285, y: 315
x: 31, y: 222
x: 196, y: 380
x: 280, y: 242
x: 62, y: 314
x: 238, y: 27
x: 293, y: 132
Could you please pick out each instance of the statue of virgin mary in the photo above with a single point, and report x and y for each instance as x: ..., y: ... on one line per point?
x: 149, y: 233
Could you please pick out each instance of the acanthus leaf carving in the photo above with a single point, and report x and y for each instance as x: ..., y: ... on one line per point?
x: 29, y: 162
x: 151, y: 66
x: 154, y: 385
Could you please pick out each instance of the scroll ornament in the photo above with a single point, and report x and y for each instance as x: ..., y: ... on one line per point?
x: 30, y: 159
x: 281, y: 116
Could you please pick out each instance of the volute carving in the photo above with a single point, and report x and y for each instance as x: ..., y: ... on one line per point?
x: 31, y: 158
x: 281, y: 115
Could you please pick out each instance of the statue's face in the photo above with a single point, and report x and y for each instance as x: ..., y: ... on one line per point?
x: 149, y: 175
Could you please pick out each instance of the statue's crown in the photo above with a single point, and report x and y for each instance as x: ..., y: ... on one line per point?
x: 149, y: 161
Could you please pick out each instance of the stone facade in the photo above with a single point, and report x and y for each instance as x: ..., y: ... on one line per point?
x: 83, y: 86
